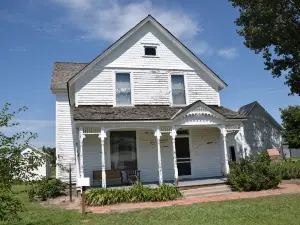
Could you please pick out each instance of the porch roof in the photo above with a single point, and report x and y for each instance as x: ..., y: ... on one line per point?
x: 142, y: 112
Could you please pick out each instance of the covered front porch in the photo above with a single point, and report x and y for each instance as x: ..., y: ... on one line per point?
x: 189, y: 147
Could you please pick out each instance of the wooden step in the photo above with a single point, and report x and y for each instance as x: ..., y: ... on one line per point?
x: 207, y: 191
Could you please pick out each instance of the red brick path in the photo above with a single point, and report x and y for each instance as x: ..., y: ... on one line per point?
x: 282, y: 189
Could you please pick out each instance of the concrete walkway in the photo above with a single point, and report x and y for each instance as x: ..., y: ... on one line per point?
x: 282, y: 189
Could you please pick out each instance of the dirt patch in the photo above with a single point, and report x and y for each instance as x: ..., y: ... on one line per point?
x: 64, y: 203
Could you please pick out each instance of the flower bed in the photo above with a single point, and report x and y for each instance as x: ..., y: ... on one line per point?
x: 136, y: 193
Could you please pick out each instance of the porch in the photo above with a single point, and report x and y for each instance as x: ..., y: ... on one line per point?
x: 163, y: 143
x: 186, y: 156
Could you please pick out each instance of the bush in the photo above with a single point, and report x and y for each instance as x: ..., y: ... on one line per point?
x: 289, y: 169
x: 45, y: 189
x: 254, y: 174
x: 136, y: 193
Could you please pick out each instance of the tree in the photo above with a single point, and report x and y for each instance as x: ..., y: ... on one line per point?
x: 272, y: 27
x: 291, y: 123
x: 13, y: 165
x: 51, y: 153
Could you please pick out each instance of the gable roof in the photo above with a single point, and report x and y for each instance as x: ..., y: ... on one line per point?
x: 151, y: 19
x: 62, y: 72
x: 247, y: 109
x: 218, y: 110
x: 144, y: 112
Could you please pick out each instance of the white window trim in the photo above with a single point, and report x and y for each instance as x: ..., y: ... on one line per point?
x: 148, y: 45
x: 185, y: 89
x: 114, y: 88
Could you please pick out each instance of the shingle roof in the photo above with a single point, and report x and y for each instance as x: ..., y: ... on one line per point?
x: 246, y: 109
x: 140, y: 112
x: 109, y: 113
x: 63, y: 71
x: 227, y: 113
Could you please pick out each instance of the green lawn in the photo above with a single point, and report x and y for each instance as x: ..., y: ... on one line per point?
x: 282, y: 209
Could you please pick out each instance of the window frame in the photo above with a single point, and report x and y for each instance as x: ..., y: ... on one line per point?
x: 115, y: 88
x: 149, y: 46
x: 171, y: 89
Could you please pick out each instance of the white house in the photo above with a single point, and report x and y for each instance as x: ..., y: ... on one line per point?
x: 146, y: 103
x: 262, y: 131
x: 42, y: 171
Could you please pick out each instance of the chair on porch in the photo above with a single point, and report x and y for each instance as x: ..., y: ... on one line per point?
x: 132, y: 174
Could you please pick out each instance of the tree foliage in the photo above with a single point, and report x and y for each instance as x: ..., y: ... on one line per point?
x: 272, y: 27
x: 14, y: 166
x: 291, y: 123
x: 51, y: 152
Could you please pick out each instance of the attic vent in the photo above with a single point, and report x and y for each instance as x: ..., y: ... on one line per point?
x: 150, y: 50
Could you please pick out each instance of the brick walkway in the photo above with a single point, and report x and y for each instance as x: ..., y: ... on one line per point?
x: 282, y: 189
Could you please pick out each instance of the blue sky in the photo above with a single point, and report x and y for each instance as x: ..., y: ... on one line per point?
x: 35, y: 33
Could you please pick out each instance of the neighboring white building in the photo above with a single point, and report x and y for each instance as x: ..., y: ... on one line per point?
x: 146, y: 103
x: 262, y: 131
x: 43, y: 171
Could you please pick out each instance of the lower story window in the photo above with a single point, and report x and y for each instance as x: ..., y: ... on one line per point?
x: 123, y: 150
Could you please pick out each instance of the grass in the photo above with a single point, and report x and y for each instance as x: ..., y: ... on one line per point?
x: 283, y: 209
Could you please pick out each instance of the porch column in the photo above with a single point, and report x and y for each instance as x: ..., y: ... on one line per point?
x: 81, y: 137
x: 243, y: 140
x: 102, y: 136
x: 160, y: 173
x: 173, y: 135
x: 224, y: 133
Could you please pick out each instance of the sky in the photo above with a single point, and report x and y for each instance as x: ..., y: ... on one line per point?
x: 35, y: 34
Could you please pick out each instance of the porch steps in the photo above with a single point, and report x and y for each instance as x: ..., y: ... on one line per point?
x: 207, y: 191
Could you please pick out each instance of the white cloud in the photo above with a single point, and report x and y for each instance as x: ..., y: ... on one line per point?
x: 109, y: 20
x: 228, y: 53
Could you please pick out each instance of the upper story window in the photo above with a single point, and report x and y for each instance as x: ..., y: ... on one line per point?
x: 123, y: 89
x: 178, y: 90
x: 150, y: 50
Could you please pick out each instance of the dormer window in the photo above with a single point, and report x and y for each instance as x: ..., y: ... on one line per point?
x: 150, y: 50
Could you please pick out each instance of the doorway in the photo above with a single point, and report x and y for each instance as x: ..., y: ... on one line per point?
x: 183, y: 156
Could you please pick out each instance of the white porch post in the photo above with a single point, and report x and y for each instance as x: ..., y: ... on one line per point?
x: 102, y: 136
x: 173, y: 135
x: 243, y: 140
x: 224, y: 133
x: 160, y: 173
x: 81, y: 137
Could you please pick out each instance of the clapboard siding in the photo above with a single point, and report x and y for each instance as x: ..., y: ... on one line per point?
x: 149, y: 87
x: 65, y: 138
x: 92, y: 155
x: 198, y: 89
x: 260, y: 131
x: 207, y: 157
x: 96, y: 88
x: 151, y: 82
x: 130, y: 54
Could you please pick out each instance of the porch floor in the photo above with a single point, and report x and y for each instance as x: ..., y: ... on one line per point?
x: 184, y: 183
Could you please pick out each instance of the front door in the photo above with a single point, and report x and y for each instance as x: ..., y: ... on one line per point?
x: 183, y: 156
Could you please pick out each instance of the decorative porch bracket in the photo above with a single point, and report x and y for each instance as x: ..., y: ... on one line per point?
x: 224, y: 133
x: 173, y: 134
x: 102, y: 136
x: 81, y: 137
x: 158, y: 134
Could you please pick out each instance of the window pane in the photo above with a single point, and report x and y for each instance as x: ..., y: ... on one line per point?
x: 150, y: 51
x: 123, y: 89
x: 123, y: 150
x: 178, y: 89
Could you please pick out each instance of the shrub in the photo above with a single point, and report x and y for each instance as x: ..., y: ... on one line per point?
x: 254, y: 174
x: 45, y: 189
x: 289, y: 169
x: 136, y: 193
